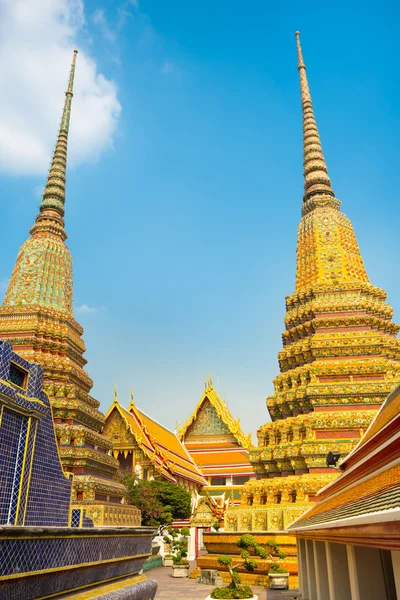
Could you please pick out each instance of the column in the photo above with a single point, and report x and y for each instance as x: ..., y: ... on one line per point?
x: 302, y: 566
x: 396, y: 570
x: 338, y: 571
x: 312, y: 588
x: 192, y: 544
x: 321, y: 571
x: 353, y: 577
x: 368, y: 573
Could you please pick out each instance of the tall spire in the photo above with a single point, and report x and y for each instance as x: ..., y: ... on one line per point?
x: 317, y: 182
x: 52, y: 207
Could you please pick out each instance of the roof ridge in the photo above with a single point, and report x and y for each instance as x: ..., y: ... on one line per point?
x: 223, y: 413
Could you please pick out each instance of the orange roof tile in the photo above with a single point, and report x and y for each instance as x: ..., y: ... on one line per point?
x: 161, y: 445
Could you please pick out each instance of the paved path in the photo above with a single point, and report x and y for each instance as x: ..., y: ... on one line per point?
x: 171, y: 588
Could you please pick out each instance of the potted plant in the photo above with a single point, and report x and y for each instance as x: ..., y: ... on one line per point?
x: 168, y: 538
x: 168, y: 560
x: 179, y: 545
x: 247, y: 542
x: 234, y: 589
x: 278, y: 578
x: 180, y: 566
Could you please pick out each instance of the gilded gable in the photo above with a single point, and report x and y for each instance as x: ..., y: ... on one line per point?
x: 116, y: 430
x: 207, y: 422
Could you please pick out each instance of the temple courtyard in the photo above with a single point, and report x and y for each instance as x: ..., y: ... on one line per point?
x: 174, y: 589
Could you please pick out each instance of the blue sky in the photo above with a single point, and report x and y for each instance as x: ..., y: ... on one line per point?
x: 185, y: 189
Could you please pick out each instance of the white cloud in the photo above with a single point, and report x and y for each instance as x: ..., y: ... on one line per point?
x: 37, y: 38
x: 100, y: 20
x: 85, y: 309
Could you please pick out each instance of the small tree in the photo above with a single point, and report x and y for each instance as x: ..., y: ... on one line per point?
x: 247, y: 542
x: 160, y: 501
x: 177, y: 541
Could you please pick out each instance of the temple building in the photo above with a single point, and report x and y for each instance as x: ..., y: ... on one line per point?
x: 339, y: 361
x: 217, y: 444
x: 349, y: 541
x: 37, y: 318
x: 148, y: 449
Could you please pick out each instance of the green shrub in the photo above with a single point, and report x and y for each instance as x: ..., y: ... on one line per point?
x: 247, y: 540
x: 275, y: 568
x: 261, y: 552
x: 185, y: 531
x: 243, y: 591
x: 224, y: 560
x: 251, y: 564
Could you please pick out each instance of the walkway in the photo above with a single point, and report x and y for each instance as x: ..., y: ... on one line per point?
x: 170, y: 588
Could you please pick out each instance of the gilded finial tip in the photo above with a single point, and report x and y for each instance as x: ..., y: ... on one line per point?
x: 297, y: 33
x: 75, y: 51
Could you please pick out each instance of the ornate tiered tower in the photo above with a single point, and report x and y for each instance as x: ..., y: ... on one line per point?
x: 37, y: 319
x: 340, y: 356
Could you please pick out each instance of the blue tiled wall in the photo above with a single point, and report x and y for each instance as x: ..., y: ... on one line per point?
x: 33, y: 488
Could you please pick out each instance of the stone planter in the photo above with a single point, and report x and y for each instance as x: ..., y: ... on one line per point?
x: 180, y: 570
x: 278, y: 581
x: 168, y: 561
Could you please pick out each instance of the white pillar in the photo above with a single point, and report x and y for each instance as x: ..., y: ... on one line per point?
x: 200, y: 538
x: 366, y: 561
x: 396, y: 570
x: 312, y: 588
x: 321, y: 571
x: 338, y: 571
x: 192, y: 544
x: 351, y: 560
x: 302, y: 566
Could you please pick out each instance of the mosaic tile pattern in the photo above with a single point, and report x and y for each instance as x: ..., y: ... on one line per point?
x: 18, y: 467
x: 208, y: 422
x: 19, y: 555
x: 25, y: 483
x: 31, y: 475
x: 75, y: 517
x: 42, y: 509
x: 63, y: 559
x: 10, y: 463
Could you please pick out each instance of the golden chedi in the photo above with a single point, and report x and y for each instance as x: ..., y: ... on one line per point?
x: 340, y: 356
x: 37, y: 318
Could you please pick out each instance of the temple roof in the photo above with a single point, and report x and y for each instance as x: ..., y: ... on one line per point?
x: 367, y: 492
x: 227, y: 425
x: 159, y: 444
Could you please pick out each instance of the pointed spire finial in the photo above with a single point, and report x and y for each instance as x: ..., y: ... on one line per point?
x: 52, y: 206
x: 132, y: 403
x: 317, y: 182
x: 205, y: 382
x: 115, y: 393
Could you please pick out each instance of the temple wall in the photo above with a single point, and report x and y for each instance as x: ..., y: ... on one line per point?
x: 33, y: 488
